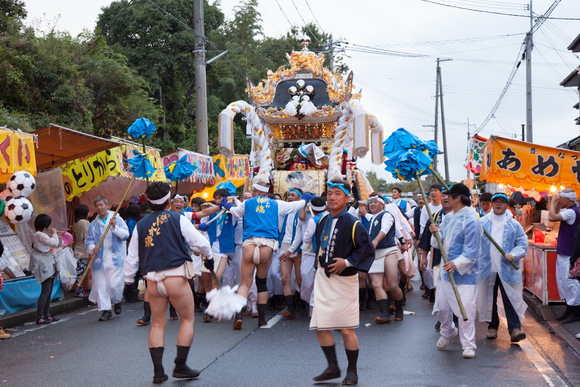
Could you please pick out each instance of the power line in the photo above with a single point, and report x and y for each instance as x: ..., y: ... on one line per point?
x: 306, y: 25
x: 464, y: 40
x: 495, y: 13
x: 314, y: 16
x: 106, y: 30
x: 289, y: 22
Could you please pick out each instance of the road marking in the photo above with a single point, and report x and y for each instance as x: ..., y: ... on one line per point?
x: 273, y: 321
x: 88, y: 311
x: 551, y: 377
x: 13, y: 335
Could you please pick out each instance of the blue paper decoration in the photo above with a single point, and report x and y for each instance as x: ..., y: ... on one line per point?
x: 179, y: 170
x: 142, y: 128
x: 140, y: 165
x: 229, y: 186
x: 408, y: 155
x: 398, y: 142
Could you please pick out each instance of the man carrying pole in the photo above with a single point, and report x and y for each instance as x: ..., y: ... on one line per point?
x: 461, y: 232
x: 496, y: 272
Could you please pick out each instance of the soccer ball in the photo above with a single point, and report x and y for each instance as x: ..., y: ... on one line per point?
x: 18, y: 210
x: 21, y: 183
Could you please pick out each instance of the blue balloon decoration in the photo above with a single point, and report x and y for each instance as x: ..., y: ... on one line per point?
x: 179, y: 170
x: 140, y: 165
x: 142, y: 128
x: 229, y: 186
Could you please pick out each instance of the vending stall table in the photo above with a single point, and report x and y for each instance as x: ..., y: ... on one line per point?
x: 540, y: 272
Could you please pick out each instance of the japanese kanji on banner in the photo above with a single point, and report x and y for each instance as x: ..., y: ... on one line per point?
x: 474, y: 155
x: 16, y: 154
x: 530, y: 166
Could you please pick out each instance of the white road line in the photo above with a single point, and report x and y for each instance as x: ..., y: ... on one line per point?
x: 88, y: 311
x: 273, y: 321
x: 13, y: 335
x: 549, y: 374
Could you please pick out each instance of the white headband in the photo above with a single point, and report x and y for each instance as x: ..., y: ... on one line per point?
x: 260, y: 188
x: 568, y: 195
x: 162, y: 200
x: 380, y: 199
x: 178, y: 196
x: 318, y: 209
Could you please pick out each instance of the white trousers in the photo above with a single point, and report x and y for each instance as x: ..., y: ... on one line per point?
x: 569, y: 289
x: 446, y: 304
x: 107, y: 287
x: 308, y: 274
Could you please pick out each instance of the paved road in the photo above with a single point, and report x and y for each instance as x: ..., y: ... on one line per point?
x: 80, y: 351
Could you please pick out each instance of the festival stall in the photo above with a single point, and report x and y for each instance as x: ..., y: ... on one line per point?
x: 541, y: 169
x: 235, y: 170
x: 203, y: 173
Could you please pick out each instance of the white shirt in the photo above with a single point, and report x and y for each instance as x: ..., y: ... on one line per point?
x: 497, y: 228
x: 386, y: 223
x: 403, y: 227
x: 192, y: 237
x: 425, y: 215
x: 568, y: 215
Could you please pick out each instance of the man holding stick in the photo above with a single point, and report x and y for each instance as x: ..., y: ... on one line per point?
x: 108, y: 260
x: 496, y: 272
x: 461, y: 233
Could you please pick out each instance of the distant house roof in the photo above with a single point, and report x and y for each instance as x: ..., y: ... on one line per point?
x: 575, y: 45
x: 572, y: 80
x: 571, y: 144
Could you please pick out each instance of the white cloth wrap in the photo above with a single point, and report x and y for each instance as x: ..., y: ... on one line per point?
x: 258, y: 242
x: 335, y: 302
x: 159, y: 277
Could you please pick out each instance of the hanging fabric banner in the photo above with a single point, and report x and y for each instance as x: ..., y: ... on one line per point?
x: 203, y: 174
x: 531, y: 166
x: 474, y: 154
x: 16, y: 154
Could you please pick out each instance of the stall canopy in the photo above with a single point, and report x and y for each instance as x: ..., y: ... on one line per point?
x: 16, y: 153
x: 530, y: 166
x: 202, y: 176
x: 57, y: 145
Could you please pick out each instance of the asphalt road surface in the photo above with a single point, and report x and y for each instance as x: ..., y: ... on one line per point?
x: 80, y: 351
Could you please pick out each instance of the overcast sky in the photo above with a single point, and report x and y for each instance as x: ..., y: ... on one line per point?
x: 400, y: 91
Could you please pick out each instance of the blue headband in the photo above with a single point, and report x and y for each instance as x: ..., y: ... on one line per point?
x: 500, y: 196
x: 297, y: 192
x: 338, y: 185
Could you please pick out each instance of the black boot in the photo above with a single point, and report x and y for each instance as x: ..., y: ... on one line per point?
x: 351, y: 374
x: 181, y: 370
x: 362, y: 298
x: 146, y: 319
x: 262, y: 315
x: 290, y: 312
x: 202, y: 300
x: 159, y: 375
x: 385, y: 316
x: 399, y: 310
x: 297, y: 300
x: 390, y: 303
x: 197, y: 302
x: 370, y: 297
x: 238, y: 321
x: 566, y: 314
x: 402, y: 286
x: 432, y: 296
x: 574, y: 316
x: 332, y: 371
x: 118, y: 308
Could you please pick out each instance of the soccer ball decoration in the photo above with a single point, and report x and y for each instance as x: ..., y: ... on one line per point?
x: 21, y: 183
x: 18, y: 210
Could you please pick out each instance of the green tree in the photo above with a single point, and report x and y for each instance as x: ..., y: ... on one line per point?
x: 11, y: 11
x: 378, y: 184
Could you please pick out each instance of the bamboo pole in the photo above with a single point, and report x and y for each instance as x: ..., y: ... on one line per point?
x: 145, y: 153
x: 443, y: 254
x: 106, y: 231
x: 503, y: 253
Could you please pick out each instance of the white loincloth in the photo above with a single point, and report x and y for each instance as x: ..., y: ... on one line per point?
x: 159, y: 277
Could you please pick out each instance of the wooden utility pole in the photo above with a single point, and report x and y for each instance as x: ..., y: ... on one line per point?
x: 445, y: 157
x: 435, y: 133
x: 529, y: 46
x: 200, y: 82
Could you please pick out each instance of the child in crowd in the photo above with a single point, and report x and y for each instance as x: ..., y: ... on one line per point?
x: 81, y: 227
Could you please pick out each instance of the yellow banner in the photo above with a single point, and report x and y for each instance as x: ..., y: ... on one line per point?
x: 82, y: 174
x: 531, y: 166
x: 16, y: 154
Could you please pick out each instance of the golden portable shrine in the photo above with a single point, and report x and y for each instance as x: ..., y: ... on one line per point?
x: 306, y: 125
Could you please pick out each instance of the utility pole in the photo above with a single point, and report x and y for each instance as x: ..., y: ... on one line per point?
x: 445, y: 156
x: 523, y: 132
x: 200, y: 82
x: 435, y: 133
x: 331, y: 55
x: 529, y: 46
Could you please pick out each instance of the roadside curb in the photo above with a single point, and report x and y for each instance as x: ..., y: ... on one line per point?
x: 56, y: 308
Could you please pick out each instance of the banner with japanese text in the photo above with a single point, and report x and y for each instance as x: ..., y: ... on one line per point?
x: 530, y: 166
x: 16, y: 154
x: 82, y: 174
x: 473, y: 157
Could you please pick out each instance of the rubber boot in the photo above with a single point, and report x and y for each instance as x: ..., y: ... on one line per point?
x: 402, y: 286
x: 432, y: 296
x: 332, y: 371
x: 181, y: 370
x: 385, y: 316
x: 297, y: 300
x: 262, y: 315
x: 399, y: 310
x: 238, y: 321
x: 362, y: 298
x: 159, y: 375
x: 390, y: 303
x: 146, y: 319
x: 290, y: 312
x: 351, y: 372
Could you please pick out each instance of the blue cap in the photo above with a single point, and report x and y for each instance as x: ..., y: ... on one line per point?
x: 501, y: 196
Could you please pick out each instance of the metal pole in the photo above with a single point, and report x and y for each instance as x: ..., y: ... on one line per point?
x: 200, y: 83
x: 445, y: 158
x: 435, y: 134
x: 331, y: 55
x: 523, y: 132
x: 529, y: 46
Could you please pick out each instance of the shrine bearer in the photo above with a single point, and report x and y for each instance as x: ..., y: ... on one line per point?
x: 461, y: 233
x: 564, y: 209
x: 496, y: 272
x: 343, y: 249
x: 260, y: 215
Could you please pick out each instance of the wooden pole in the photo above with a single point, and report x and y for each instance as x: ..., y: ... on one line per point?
x: 106, y: 231
x: 443, y: 254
